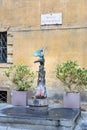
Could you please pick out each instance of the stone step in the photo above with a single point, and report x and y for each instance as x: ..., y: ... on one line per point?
x: 23, y: 118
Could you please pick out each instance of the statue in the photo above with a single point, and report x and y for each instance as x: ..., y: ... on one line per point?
x: 41, y: 88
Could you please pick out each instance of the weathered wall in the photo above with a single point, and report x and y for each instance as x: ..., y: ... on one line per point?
x: 62, y: 42
x: 19, y: 12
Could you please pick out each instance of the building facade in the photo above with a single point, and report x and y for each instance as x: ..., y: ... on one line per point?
x: 22, y: 32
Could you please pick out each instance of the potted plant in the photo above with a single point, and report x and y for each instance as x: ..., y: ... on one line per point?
x: 23, y: 78
x: 74, y: 79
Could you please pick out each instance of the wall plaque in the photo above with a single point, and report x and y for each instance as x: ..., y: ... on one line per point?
x: 53, y: 18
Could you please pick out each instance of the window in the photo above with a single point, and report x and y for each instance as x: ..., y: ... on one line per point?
x: 3, y: 96
x: 3, y: 47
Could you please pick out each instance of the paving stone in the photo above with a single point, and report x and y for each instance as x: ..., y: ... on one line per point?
x: 84, y: 125
x: 78, y: 128
x: 65, y: 128
x: 3, y: 127
x: 10, y: 128
x: 84, y: 114
x: 34, y: 127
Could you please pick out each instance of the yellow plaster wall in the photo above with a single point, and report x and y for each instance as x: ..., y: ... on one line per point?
x: 59, y: 47
x: 27, y: 12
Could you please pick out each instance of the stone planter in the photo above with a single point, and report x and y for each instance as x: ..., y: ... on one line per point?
x: 19, y: 98
x: 71, y: 100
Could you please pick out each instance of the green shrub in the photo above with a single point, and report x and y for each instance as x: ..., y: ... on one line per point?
x: 73, y: 77
x: 21, y: 76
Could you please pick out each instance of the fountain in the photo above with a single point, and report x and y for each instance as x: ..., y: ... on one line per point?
x: 38, y: 115
x: 40, y: 101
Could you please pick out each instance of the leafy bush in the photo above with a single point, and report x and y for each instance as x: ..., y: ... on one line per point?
x: 73, y: 77
x: 21, y: 76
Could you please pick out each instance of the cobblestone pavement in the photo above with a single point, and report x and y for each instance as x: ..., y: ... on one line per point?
x: 81, y: 124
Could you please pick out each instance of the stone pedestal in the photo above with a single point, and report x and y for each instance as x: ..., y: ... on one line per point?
x: 38, y: 104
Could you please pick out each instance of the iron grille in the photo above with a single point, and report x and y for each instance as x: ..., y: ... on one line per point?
x: 3, y: 96
x: 3, y: 47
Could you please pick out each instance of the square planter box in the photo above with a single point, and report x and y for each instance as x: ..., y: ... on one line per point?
x: 71, y: 100
x: 19, y: 98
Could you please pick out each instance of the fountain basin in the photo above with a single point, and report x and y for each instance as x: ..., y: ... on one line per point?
x: 52, y: 119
